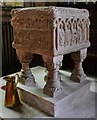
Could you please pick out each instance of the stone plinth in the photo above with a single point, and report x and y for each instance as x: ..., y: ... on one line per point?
x: 51, y: 32
x: 55, y: 107
x: 78, y: 100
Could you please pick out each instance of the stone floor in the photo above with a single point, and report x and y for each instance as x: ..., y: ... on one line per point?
x: 82, y: 107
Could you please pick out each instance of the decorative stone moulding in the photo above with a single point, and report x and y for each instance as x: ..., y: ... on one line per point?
x: 51, y: 32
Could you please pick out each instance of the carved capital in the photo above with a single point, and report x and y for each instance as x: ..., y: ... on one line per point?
x: 53, y: 63
x: 80, y: 55
x: 23, y: 56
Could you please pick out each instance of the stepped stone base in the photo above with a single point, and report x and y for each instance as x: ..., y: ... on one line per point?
x: 35, y: 97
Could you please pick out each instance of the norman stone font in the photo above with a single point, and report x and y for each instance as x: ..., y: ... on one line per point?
x: 51, y: 32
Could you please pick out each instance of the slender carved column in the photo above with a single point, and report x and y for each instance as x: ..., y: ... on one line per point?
x: 25, y: 59
x: 78, y: 74
x: 53, y: 86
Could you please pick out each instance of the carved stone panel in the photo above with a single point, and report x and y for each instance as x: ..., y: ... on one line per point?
x: 33, y: 38
x: 57, y: 29
x: 71, y: 29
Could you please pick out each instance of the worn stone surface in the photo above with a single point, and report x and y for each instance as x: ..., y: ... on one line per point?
x: 51, y: 32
